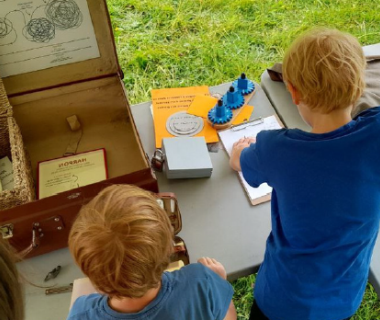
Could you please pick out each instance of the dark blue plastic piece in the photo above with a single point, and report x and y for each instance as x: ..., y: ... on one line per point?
x: 220, y: 114
x: 233, y: 99
x: 244, y: 85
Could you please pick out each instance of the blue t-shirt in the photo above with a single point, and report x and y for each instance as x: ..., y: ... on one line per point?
x: 325, y: 217
x: 193, y: 293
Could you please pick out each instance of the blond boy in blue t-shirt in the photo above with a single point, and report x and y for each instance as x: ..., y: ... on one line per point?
x: 326, y: 186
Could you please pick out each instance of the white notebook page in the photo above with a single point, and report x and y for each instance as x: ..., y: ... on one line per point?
x: 249, y: 129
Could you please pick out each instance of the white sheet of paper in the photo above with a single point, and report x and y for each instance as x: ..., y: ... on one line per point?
x: 6, y: 174
x: 230, y: 136
x: 255, y: 193
x: 372, y: 50
x: 81, y: 287
x: 62, y: 174
x: 40, y: 34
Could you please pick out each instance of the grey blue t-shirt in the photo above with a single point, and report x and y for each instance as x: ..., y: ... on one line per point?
x: 325, y: 217
x: 192, y: 293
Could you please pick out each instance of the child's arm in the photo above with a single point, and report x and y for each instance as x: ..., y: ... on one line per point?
x: 214, y: 265
x: 219, y: 269
x: 231, y: 313
x: 237, y: 148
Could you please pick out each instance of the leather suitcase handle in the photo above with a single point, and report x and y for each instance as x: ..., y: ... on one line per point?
x: 38, y: 230
x: 33, y: 245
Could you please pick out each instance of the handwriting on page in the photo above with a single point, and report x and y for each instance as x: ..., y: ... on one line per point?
x: 230, y: 136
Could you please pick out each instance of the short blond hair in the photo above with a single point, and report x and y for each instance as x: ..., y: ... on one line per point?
x: 11, y: 293
x: 326, y: 67
x: 122, y: 240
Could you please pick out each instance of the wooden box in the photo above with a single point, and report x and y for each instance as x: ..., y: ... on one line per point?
x: 43, y: 99
x: 12, y: 146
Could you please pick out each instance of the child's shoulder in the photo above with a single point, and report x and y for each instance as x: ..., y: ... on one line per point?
x: 371, y: 113
x: 193, y: 274
x: 270, y: 134
x: 196, y: 278
x: 269, y: 140
x: 192, y: 271
x: 85, y: 304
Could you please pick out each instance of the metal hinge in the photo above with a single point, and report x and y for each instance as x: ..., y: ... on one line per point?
x: 6, y: 231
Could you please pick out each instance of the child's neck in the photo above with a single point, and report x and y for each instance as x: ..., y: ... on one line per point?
x: 133, y: 305
x: 327, y: 122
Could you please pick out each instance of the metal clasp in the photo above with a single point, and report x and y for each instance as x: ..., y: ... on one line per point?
x: 158, y: 160
x: 7, y: 231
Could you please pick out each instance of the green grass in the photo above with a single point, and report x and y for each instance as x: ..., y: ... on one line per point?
x: 243, y: 298
x: 177, y: 43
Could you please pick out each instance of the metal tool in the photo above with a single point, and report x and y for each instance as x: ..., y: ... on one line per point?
x: 250, y: 123
x: 62, y: 289
x: 158, y: 160
x: 53, y: 273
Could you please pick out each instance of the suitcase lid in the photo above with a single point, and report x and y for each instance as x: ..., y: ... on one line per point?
x: 169, y: 203
x: 63, y: 41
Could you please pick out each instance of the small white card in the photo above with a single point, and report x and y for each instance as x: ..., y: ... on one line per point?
x: 6, y: 174
x: 67, y: 173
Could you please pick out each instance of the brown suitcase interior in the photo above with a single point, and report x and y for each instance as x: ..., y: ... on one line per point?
x: 42, y: 100
x: 100, y: 106
x: 91, y: 90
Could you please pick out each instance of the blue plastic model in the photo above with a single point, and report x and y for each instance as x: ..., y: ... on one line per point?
x: 220, y: 114
x: 244, y: 85
x: 233, y: 99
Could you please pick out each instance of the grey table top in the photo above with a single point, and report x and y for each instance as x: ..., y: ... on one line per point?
x: 217, y: 218
x: 281, y: 100
x: 217, y: 221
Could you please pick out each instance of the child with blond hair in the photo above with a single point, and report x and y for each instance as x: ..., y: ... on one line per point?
x: 122, y: 240
x: 326, y: 186
x: 11, y: 292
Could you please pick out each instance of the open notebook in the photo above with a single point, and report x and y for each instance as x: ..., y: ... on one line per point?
x: 250, y: 129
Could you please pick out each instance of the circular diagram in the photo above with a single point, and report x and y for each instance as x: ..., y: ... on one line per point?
x: 182, y: 124
x: 39, y: 30
x: 65, y: 14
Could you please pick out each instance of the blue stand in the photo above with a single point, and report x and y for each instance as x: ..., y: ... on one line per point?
x: 244, y: 85
x: 233, y: 99
x: 220, y: 114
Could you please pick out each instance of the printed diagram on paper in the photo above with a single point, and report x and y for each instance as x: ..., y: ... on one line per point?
x: 40, y: 34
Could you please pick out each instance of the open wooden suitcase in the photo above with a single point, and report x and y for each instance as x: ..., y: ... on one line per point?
x: 42, y: 100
